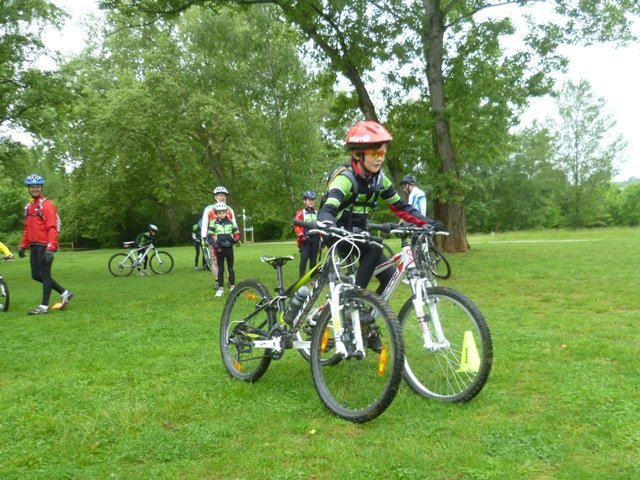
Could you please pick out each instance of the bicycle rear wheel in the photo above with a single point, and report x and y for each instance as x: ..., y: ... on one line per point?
x: 161, y: 262
x: 355, y: 388
x: 455, y: 372
x: 121, y: 264
x: 244, y: 321
x: 4, y: 296
x: 438, y: 264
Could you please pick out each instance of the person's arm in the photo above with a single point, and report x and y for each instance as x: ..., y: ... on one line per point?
x: 399, y: 207
x: 204, y: 228
x: 50, y: 216
x: 339, y: 190
x: 231, y: 215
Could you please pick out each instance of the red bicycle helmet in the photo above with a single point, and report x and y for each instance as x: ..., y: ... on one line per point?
x: 367, y: 134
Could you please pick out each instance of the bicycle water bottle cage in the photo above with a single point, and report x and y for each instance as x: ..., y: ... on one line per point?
x: 276, y: 262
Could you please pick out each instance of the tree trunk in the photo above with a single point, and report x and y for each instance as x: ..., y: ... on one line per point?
x: 451, y: 210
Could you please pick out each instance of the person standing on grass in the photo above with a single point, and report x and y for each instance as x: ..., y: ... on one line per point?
x: 40, y: 236
x: 197, y: 243
x: 417, y: 197
x: 309, y: 245
x: 209, y: 216
x: 222, y: 235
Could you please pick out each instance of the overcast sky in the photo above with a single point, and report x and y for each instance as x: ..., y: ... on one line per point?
x: 608, y: 69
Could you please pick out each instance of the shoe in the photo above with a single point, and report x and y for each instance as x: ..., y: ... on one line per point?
x: 39, y: 310
x: 231, y: 287
x: 219, y: 292
x: 372, y: 338
x: 140, y: 273
x: 146, y: 272
x: 196, y: 268
x: 66, y: 296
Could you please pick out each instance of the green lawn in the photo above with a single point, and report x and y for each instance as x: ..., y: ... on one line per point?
x: 127, y: 383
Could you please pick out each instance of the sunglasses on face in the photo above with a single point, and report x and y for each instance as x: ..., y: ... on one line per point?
x: 375, y: 153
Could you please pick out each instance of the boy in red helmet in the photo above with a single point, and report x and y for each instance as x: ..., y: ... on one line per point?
x: 368, y: 143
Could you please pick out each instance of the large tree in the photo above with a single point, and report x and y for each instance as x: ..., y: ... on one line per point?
x: 586, y: 151
x: 161, y: 116
x: 359, y: 36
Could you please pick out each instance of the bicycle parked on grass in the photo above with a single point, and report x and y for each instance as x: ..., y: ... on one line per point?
x: 447, y: 343
x: 122, y: 264
x: 355, y: 347
x: 4, y: 290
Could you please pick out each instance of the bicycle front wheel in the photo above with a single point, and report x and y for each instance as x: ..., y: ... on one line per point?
x: 121, y: 264
x: 358, y: 388
x: 457, y: 366
x: 244, y: 320
x: 4, y: 296
x: 161, y: 262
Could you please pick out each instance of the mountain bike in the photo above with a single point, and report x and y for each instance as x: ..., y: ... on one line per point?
x: 447, y: 343
x: 350, y: 336
x: 4, y: 291
x: 122, y: 264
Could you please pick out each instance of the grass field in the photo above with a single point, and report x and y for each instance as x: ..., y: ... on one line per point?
x: 127, y: 383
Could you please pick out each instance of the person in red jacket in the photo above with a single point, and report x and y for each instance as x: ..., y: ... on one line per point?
x: 40, y: 236
x: 309, y: 245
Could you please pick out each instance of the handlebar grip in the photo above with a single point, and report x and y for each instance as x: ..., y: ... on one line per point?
x: 383, y: 227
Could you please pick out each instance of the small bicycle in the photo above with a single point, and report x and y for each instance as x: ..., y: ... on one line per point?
x: 4, y: 290
x: 447, y: 343
x: 122, y: 264
x: 350, y: 336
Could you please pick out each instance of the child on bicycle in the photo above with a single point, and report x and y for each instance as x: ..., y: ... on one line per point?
x: 367, y: 143
x: 307, y: 244
x: 143, y: 241
x: 222, y: 234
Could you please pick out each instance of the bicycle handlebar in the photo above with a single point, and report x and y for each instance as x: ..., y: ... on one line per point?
x: 362, y: 236
x: 403, y: 229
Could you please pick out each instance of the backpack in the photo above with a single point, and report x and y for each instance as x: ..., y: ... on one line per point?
x: 345, y: 169
x: 39, y: 212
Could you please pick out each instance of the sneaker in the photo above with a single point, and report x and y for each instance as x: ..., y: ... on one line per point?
x: 146, y: 272
x: 231, y: 287
x: 140, y: 273
x: 219, y: 292
x: 66, y: 296
x: 39, y: 310
x: 196, y: 268
x: 372, y: 338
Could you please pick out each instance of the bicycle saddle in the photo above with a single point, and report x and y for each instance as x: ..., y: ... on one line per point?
x: 276, y: 261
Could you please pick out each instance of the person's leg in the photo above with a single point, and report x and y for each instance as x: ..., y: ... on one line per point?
x: 304, y: 257
x: 197, y: 246
x: 314, y: 247
x: 372, y: 256
x: 230, y: 261
x: 220, y: 259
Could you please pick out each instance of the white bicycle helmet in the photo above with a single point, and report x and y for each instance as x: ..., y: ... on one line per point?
x: 220, y: 207
x: 153, y: 228
x: 220, y: 189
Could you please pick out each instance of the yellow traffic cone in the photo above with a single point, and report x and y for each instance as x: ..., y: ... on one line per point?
x: 470, y: 358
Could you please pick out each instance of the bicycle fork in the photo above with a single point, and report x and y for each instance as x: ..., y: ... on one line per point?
x: 419, y: 299
x: 338, y: 328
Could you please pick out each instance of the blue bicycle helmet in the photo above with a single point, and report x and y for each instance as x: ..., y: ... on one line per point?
x: 310, y: 194
x: 34, y: 179
x: 408, y: 179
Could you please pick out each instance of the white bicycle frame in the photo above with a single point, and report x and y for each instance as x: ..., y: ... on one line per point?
x: 406, y: 266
